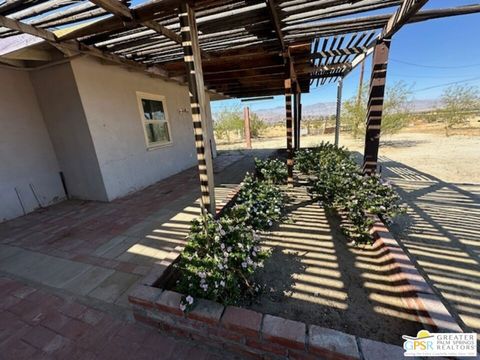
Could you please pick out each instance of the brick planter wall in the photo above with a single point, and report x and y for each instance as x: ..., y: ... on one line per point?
x: 429, y: 309
x: 244, y: 331
x: 256, y: 335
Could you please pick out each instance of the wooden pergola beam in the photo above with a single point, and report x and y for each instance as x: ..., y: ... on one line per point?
x: 312, y: 69
x: 78, y: 47
x: 277, y: 25
x: 407, y: 9
x: 144, y: 13
x: 115, y: 7
x: 124, y: 12
x: 406, y: 13
x: 27, y: 29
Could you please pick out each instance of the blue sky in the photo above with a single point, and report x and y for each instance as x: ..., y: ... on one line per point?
x: 448, y: 49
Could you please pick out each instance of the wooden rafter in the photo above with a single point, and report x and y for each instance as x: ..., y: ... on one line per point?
x: 144, y: 13
x: 27, y: 29
x: 248, y: 43
x: 78, y: 47
x: 401, y: 17
x: 272, y: 8
x: 123, y: 12
x: 115, y: 7
x: 407, y: 10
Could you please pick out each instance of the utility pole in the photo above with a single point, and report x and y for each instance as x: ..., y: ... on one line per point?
x: 360, y: 85
x: 339, y: 110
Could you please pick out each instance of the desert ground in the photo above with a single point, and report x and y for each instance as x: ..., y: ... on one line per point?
x: 453, y: 159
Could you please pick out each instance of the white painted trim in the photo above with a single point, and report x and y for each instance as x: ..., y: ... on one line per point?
x: 155, y: 97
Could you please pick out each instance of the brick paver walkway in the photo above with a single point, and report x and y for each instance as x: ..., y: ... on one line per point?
x: 35, y: 324
x: 80, y: 259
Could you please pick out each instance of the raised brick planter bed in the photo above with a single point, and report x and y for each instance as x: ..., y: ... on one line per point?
x: 421, y: 299
x: 256, y: 335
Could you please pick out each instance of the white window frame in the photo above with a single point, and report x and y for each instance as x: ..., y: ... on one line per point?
x: 155, y: 97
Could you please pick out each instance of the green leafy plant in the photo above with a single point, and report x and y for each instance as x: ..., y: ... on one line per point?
x: 263, y: 202
x: 228, y: 121
x: 219, y: 260
x: 458, y: 102
x: 395, y: 115
x: 307, y: 161
x: 257, y: 125
x: 273, y: 171
x: 221, y: 255
x: 338, y: 182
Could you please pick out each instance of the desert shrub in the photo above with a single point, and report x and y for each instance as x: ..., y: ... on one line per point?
x: 257, y: 125
x: 457, y: 103
x: 228, y: 121
x: 395, y: 114
x: 338, y: 182
x: 273, y: 171
x: 221, y: 255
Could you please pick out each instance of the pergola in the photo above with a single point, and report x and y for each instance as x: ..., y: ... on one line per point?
x: 236, y: 48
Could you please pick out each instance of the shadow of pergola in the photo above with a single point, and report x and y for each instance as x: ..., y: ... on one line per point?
x: 441, y: 232
x: 316, y: 276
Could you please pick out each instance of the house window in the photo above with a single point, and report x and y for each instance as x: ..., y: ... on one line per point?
x: 155, y: 119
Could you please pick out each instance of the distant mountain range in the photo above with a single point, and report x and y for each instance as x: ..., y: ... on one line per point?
x: 276, y: 114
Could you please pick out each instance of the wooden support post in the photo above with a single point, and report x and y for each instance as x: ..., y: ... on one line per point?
x: 295, y: 120
x: 375, y: 105
x: 196, y: 87
x: 246, y: 119
x: 299, y: 119
x: 339, y: 110
x: 288, y: 112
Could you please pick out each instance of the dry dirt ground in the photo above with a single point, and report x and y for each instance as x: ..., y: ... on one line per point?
x: 438, y: 178
x: 453, y: 159
x: 315, y: 275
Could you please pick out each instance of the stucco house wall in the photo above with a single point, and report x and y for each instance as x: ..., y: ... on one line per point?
x: 83, y: 118
x: 109, y: 97
x: 69, y: 130
x: 28, y: 162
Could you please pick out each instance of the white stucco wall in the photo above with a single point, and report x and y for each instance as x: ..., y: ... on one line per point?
x: 109, y: 97
x: 27, y: 158
x: 64, y: 115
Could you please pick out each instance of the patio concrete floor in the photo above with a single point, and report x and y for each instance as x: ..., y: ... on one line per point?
x: 93, y: 253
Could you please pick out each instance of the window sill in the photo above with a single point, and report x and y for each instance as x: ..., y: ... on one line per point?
x: 159, y: 146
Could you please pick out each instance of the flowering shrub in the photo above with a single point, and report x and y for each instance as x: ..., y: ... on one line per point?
x: 308, y: 160
x: 263, y: 202
x: 338, y: 182
x: 219, y: 260
x: 273, y: 171
x: 221, y: 254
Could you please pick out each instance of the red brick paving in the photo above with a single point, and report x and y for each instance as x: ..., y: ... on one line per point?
x: 36, y: 324
x: 46, y: 326
x: 74, y: 229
